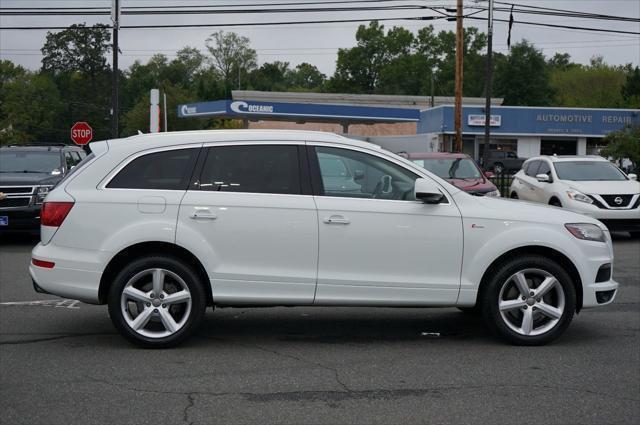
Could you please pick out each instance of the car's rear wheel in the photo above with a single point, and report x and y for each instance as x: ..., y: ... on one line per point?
x: 529, y: 300
x: 514, y: 195
x: 498, y: 168
x: 156, y: 302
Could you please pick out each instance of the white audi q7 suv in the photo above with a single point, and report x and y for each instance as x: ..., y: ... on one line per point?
x: 160, y: 226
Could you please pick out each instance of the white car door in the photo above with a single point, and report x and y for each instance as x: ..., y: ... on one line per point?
x: 542, y: 190
x: 527, y: 179
x: 378, y: 245
x: 251, y: 218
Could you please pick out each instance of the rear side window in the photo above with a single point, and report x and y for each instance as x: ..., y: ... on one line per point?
x: 168, y: 170
x: 252, y: 168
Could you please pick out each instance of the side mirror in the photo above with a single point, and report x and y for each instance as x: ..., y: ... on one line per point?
x: 543, y: 178
x: 488, y: 174
x: 428, y: 192
x: 633, y: 177
x: 358, y: 175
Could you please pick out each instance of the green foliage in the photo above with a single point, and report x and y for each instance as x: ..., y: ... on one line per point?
x: 631, y: 89
x: 523, y: 78
x: 624, y: 143
x: 232, y: 56
x: 305, y: 77
x: 30, y: 109
x: 398, y: 62
x: 597, y: 85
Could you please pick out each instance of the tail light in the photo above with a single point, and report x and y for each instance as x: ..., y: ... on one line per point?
x: 54, y: 213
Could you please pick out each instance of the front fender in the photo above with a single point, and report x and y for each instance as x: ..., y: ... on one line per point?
x: 488, y: 240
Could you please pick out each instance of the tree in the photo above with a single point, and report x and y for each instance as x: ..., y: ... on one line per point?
x: 397, y: 62
x: 305, y: 77
x: 523, y: 79
x: 271, y: 76
x: 231, y: 55
x: 631, y: 89
x: 597, y: 85
x: 78, y: 48
x: 30, y: 109
x: 622, y: 144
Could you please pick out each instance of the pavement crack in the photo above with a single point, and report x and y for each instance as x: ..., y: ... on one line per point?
x: 191, y: 398
x: 50, y: 338
x: 334, y: 371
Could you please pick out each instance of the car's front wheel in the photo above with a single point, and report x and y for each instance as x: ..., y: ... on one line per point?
x: 529, y: 300
x: 156, y: 301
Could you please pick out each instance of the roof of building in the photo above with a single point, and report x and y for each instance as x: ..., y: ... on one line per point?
x: 379, y: 100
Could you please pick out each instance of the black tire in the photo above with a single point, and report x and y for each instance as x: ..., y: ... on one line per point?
x: 554, y: 202
x: 498, y: 168
x: 491, y: 296
x: 635, y: 235
x: 191, y: 317
x: 514, y: 195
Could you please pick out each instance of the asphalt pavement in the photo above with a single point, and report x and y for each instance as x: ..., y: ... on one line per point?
x: 61, y: 362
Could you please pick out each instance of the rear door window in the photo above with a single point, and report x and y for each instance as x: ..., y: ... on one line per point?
x: 252, y: 168
x: 167, y: 170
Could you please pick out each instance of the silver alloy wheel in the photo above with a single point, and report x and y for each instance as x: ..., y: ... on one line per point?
x: 531, y: 302
x: 156, y: 303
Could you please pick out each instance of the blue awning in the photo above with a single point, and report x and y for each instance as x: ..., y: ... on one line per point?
x: 296, y: 112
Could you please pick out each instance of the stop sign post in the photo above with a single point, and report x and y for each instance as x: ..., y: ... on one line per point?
x: 81, y: 133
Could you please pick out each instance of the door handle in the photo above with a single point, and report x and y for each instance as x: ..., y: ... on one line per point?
x: 336, y: 219
x: 202, y: 213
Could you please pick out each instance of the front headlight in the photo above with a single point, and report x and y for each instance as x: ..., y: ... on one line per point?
x: 493, y: 193
x: 586, y: 231
x: 579, y: 196
x: 41, y: 193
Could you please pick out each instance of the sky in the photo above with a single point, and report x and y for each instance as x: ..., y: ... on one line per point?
x: 318, y: 43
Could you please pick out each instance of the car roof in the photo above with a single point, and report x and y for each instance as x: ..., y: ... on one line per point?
x: 173, y: 138
x: 436, y: 155
x: 569, y: 158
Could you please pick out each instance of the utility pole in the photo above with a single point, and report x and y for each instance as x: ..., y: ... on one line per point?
x: 459, y: 55
x: 115, y: 17
x: 432, y: 84
x: 487, y: 103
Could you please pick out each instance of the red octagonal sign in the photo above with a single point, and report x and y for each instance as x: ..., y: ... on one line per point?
x: 81, y: 133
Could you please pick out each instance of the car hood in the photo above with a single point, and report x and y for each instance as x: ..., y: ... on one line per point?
x: 625, y: 187
x: 516, y: 210
x: 27, y: 179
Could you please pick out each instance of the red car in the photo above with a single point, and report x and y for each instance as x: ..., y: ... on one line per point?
x: 459, y: 169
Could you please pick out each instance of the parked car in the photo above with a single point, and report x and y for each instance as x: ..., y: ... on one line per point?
x: 503, y: 161
x: 27, y: 173
x: 459, y: 169
x: 589, y: 185
x: 159, y: 226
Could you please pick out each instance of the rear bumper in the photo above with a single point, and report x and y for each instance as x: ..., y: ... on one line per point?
x: 76, y: 273
x: 21, y: 220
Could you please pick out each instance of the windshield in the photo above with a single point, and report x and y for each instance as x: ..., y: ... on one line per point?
x: 588, y: 171
x: 21, y: 161
x: 450, y: 168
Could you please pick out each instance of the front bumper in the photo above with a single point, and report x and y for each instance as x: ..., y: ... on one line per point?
x: 76, y: 273
x: 25, y: 219
x: 614, y: 219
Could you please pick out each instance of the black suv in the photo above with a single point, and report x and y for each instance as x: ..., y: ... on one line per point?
x: 27, y: 173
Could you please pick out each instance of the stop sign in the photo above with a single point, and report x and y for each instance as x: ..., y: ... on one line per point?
x: 81, y: 133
